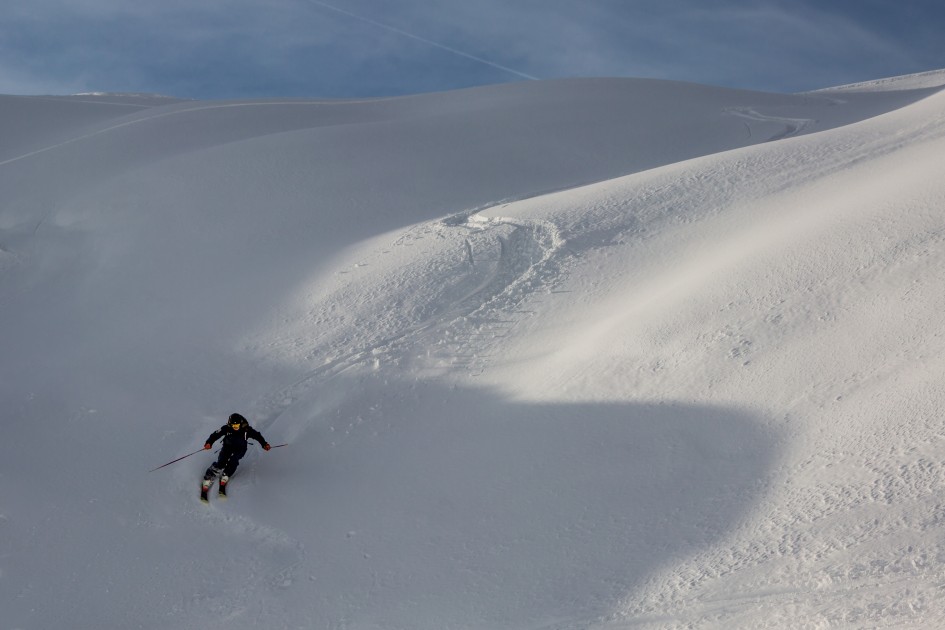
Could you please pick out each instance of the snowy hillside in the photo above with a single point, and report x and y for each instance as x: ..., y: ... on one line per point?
x: 571, y: 354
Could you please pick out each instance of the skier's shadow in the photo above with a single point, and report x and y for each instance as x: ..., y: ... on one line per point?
x: 506, y: 510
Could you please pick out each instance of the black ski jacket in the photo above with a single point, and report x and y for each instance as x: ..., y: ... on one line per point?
x: 235, y: 439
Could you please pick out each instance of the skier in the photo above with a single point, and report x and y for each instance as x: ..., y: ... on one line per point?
x: 234, y: 433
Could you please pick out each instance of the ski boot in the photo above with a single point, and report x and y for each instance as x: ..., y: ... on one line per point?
x: 208, y: 478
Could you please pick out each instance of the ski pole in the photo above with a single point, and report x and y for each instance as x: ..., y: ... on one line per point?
x: 176, y: 460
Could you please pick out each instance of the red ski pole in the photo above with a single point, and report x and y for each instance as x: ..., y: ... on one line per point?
x: 176, y: 460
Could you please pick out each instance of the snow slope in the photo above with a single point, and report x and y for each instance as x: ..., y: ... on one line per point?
x: 572, y: 354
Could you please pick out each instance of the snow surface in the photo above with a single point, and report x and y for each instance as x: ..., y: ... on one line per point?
x: 553, y: 355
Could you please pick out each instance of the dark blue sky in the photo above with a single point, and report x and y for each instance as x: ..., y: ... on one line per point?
x: 354, y: 48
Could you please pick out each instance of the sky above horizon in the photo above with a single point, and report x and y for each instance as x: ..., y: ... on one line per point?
x: 364, y: 48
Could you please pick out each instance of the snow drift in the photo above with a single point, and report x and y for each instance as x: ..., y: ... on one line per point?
x: 589, y: 353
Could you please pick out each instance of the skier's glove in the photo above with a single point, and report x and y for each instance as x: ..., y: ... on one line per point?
x: 266, y: 446
x: 207, y: 446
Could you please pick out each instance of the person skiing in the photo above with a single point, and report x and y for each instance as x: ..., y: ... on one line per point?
x: 234, y: 433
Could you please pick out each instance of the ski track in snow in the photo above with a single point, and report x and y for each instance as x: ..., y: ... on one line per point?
x: 792, y: 126
x: 487, y: 267
x: 181, y: 111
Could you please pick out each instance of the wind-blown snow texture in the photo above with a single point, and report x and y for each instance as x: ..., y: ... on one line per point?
x: 575, y: 354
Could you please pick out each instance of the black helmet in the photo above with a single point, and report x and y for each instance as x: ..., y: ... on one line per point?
x: 236, y: 418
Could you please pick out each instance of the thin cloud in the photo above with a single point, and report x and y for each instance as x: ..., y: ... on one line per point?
x: 424, y: 40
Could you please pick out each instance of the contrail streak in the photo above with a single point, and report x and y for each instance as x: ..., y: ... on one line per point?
x: 424, y: 40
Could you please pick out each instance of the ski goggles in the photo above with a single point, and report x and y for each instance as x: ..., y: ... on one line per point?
x: 236, y: 425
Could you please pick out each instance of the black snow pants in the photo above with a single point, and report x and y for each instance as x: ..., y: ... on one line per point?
x: 227, y: 461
